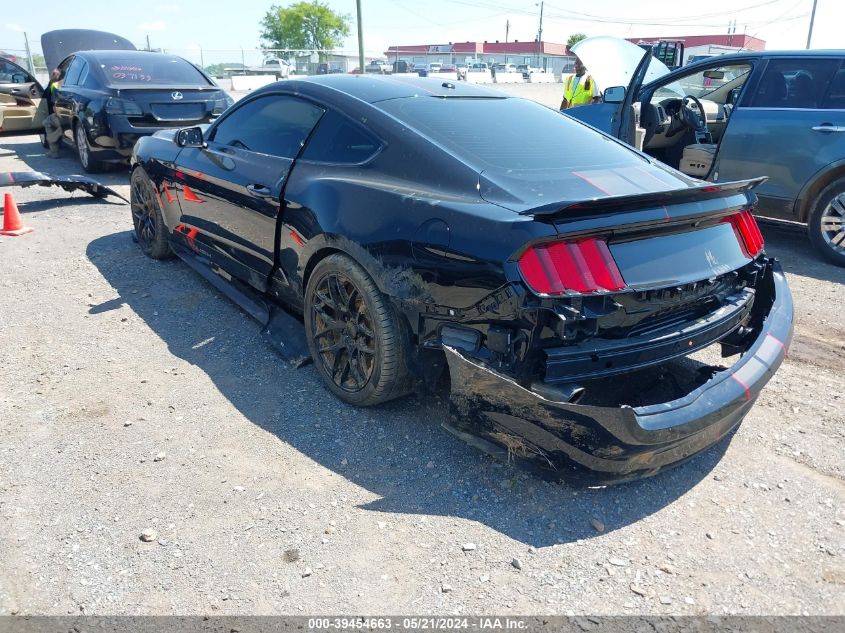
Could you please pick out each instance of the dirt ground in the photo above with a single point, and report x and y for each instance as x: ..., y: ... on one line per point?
x: 134, y: 397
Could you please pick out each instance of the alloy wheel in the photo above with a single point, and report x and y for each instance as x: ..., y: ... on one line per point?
x: 343, y: 332
x: 833, y: 224
x: 143, y: 213
x: 82, y: 146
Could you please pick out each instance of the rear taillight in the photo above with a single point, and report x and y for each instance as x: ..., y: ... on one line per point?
x: 747, y: 232
x: 584, y: 265
x: 114, y: 105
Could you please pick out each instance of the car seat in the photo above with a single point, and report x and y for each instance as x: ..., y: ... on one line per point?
x: 697, y: 159
x: 802, y: 93
x: 772, y: 92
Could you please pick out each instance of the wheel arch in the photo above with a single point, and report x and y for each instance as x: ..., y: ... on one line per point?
x: 821, y: 179
x: 399, y: 283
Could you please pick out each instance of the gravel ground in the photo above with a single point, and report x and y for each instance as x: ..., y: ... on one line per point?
x: 138, y: 403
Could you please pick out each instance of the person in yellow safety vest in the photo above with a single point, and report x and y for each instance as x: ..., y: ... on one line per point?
x: 579, y: 89
x: 52, y: 124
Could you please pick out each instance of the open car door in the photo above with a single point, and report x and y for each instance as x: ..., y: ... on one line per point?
x: 22, y: 110
x: 622, y: 67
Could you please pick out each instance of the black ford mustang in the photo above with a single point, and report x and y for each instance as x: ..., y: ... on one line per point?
x: 573, y: 286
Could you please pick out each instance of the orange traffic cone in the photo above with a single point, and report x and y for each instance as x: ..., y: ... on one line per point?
x: 12, y: 223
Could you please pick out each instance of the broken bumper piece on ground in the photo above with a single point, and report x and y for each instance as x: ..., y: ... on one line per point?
x: 597, y: 445
x: 68, y: 183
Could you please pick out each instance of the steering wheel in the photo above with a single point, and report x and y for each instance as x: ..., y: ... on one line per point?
x: 695, y: 120
x: 686, y: 118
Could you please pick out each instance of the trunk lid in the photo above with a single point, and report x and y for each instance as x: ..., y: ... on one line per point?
x: 57, y: 45
x: 165, y: 106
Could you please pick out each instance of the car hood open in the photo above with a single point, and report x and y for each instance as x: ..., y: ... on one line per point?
x: 612, y: 61
x: 57, y: 45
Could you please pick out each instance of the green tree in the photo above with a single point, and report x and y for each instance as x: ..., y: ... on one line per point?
x: 305, y: 26
x: 574, y: 39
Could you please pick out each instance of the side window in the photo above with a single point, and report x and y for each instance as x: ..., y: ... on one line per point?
x: 836, y: 93
x: 73, y: 72
x: 83, y: 74
x: 88, y: 78
x: 274, y: 125
x: 13, y: 74
x: 703, y: 82
x: 339, y: 140
x: 794, y: 83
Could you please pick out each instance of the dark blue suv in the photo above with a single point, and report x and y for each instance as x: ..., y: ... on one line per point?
x: 779, y: 114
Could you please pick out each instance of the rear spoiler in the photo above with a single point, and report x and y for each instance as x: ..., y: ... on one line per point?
x: 652, y: 199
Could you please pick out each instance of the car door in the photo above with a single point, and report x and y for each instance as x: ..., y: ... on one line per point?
x: 22, y: 109
x: 230, y: 191
x: 782, y: 130
x: 66, y: 98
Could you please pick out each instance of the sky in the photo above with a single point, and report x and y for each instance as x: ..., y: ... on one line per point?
x: 220, y: 29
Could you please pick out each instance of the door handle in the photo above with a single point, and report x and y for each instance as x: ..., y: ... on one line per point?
x: 828, y: 127
x: 259, y: 191
x: 15, y: 91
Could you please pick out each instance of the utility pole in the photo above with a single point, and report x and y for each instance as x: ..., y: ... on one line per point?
x: 148, y: 43
x: 540, y: 35
x: 812, y: 19
x: 507, y: 30
x: 360, y: 39
x: 29, y: 56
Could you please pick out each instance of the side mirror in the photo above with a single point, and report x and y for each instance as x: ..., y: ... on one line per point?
x: 616, y: 94
x: 190, y: 137
x: 733, y: 96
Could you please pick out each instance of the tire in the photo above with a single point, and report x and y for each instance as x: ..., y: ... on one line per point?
x: 826, y: 224
x: 83, y: 150
x: 150, y: 230
x: 359, y: 343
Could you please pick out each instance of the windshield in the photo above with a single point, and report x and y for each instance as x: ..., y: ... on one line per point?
x: 612, y: 61
x: 153, y: 70
x: 703, y: 82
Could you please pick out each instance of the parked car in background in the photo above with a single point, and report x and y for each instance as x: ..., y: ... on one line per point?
x: 478, y: 67
x: 434, y: 67
x: 779, y: 114
x: 379, y: 66
x: 403, y: 66
x: 505, y: 68
x: 559, y: 286
x: 462, y: 70
x: 108, y: 99
x: 526, y: 70
x: 329, y: 69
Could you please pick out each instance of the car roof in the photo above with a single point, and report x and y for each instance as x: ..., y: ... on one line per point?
x: 833, y: 53
x: 374, y: 88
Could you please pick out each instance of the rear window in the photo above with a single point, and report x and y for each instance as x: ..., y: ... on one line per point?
x: 150, y: 70
x: 511, y: 134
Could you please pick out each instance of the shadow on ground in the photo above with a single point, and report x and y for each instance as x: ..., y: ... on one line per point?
x: 397, y: 451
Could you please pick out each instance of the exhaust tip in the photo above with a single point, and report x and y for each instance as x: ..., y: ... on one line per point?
x: 569, y: 393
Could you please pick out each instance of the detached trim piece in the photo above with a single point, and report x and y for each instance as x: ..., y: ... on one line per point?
x: 68, y: 183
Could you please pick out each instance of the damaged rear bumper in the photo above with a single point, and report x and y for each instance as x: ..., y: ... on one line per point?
x: 596, y: 444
